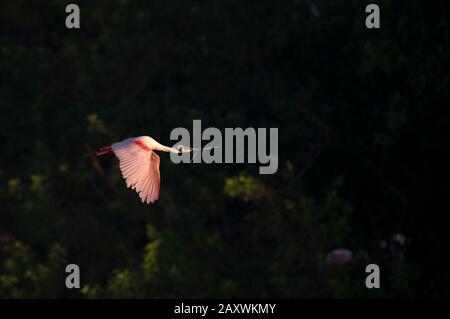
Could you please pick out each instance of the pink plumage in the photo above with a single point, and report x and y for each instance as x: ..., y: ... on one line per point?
x: 139, y: 164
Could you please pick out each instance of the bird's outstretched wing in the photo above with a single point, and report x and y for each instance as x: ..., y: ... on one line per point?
x: 140, y: 168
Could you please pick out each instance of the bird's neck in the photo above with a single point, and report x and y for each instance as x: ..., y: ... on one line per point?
x: 163, y: 148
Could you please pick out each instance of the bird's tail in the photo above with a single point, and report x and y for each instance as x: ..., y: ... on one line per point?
x: 104, y: 150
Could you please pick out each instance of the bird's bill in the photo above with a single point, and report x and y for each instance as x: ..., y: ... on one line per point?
x: 185, y: 149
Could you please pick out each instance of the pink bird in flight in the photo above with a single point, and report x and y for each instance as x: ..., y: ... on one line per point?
x: 139, y: 163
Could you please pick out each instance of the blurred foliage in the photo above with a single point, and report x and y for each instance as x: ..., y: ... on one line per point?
x: 23, y: 276
x: 363, y: 142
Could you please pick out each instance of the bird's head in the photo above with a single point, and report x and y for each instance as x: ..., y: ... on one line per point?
x: 183, y: 149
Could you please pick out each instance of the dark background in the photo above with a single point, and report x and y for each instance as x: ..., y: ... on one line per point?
x: 363, y: 142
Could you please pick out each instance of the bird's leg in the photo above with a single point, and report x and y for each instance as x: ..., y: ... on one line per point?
x: 104, y: 150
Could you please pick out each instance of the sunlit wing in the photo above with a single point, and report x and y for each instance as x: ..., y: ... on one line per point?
x: 140, y: 169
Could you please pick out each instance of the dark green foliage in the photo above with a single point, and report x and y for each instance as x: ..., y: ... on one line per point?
x: 363, y: 141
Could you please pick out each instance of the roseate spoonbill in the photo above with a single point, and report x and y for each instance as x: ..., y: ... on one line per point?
x: 339, y: 256
x: 139, y: 163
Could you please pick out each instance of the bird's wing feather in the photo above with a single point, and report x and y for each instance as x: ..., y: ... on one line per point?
x: 149, y: 185
x: 140, y: 169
